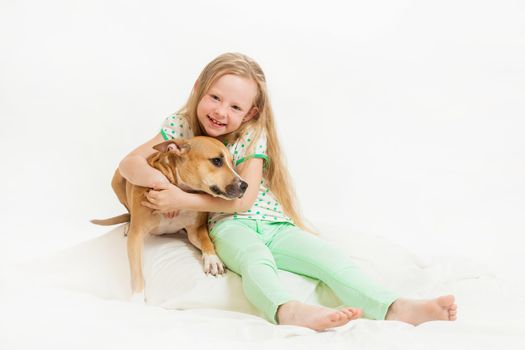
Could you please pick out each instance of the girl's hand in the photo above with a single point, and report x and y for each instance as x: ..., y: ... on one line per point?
x: 164, y: 198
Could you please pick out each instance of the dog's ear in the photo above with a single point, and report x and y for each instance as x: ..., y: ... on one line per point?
x: 177, y: 146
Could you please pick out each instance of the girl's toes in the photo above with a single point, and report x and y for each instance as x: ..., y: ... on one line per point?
x: 357, y: 313
x: 348, y: 313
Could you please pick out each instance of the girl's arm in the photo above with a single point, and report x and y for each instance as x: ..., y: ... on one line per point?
x: 172, y: 198
x: 136, y: 169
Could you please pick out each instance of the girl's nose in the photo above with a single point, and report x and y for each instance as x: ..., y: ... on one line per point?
x: 220, y: 111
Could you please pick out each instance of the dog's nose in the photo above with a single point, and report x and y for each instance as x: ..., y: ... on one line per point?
x: 236, y: 188
x: 243, y: 186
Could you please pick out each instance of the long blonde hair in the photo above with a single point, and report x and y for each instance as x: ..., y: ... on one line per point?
x: 275, y: 172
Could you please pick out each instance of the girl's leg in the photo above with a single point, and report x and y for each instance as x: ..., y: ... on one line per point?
x: 242, y: 250
x: 303, y: 253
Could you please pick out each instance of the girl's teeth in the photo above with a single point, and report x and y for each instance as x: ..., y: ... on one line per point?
x: 216, y: 122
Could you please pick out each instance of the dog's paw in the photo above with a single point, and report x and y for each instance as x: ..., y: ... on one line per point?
x: 213, y: 265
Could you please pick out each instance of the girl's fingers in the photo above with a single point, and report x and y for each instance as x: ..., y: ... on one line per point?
x: 152, y: 198
x: 170, y: 214
x: 148, y: 204
x: 161, y: 186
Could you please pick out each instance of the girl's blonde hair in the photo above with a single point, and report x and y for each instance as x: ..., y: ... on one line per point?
x: 275, y: 170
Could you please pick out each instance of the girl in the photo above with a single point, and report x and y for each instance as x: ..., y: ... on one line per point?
x: 263, y: 231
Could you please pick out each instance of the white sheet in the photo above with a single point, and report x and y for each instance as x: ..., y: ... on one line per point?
x: 78, y: 299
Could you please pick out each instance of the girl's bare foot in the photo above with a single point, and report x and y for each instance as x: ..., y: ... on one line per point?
x: 315, y: 317
x: 420, y: 311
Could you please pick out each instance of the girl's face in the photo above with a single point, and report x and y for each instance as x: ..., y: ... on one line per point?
x: 227, y: 104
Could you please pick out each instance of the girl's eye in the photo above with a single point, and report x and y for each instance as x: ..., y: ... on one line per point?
x: 237, y: 108
x: 217, y: 162
x: 215, y: 97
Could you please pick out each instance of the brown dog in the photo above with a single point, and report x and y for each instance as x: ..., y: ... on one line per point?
x: 199, y: 164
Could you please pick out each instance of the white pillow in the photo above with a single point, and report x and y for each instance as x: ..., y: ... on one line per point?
x: 175, y: 280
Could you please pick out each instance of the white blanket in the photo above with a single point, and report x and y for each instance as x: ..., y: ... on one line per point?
x: 78, y: 299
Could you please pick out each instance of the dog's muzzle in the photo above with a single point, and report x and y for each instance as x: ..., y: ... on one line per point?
x: 234, y: 190
x: 237, y: 189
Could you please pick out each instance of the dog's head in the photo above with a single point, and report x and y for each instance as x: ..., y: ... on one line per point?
x: 201, y: 164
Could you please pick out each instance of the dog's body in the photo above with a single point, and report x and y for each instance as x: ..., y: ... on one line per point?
x: 200, y: 164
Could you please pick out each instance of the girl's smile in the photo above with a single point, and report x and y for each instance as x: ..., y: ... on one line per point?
x: 216, y: 122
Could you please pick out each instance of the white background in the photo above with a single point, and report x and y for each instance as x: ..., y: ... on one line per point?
x: 403, y: 119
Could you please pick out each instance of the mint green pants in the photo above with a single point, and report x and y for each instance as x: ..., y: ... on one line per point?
x: 255, y: 249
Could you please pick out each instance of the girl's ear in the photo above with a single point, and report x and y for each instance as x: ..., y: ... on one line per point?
x: 251, y: 114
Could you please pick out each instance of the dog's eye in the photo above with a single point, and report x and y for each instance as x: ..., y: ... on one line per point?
x: 217, y: 162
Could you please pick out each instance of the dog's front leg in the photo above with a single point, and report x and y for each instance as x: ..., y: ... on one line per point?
x: 200, y: 238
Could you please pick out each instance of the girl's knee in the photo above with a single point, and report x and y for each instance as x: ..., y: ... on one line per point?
x: 237, y: 256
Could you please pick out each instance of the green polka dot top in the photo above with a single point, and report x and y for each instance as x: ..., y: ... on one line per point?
x: 266, y: 207
x: 176, y: 127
